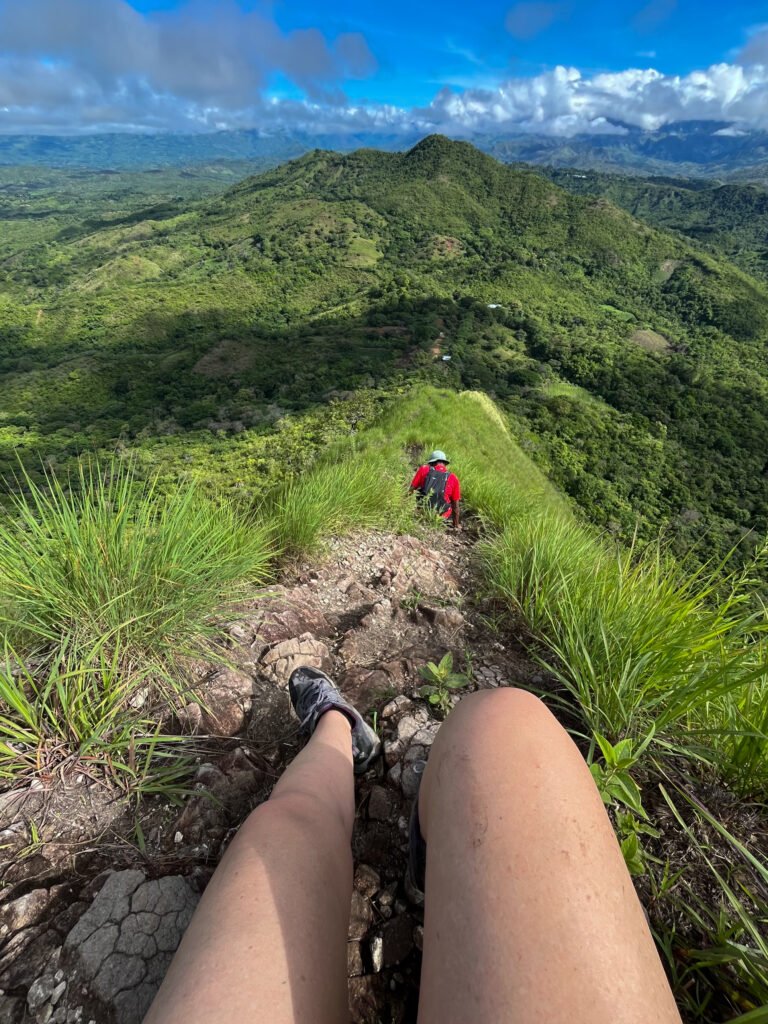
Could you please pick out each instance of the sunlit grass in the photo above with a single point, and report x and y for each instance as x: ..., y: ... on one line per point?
x: 113, y: 561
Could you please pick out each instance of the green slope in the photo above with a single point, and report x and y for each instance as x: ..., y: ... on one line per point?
x: 358, y: 271
x: 728, y: 219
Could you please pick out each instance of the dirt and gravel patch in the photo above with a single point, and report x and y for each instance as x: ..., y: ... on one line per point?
x: 372, y: 611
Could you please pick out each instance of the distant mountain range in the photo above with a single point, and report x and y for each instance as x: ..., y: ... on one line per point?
x: 691, y: 148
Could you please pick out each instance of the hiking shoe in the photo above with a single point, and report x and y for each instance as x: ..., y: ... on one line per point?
x: 415, y: 874
x: 312, y: 694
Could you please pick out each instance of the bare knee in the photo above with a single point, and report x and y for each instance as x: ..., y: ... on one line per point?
x: 491, y: 735
x: 299, y: 815
x: 508, y: 712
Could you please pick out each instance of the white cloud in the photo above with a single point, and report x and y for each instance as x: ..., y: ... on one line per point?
x: 564, y: 102
x: 73, y: 60
x: 100, y: 64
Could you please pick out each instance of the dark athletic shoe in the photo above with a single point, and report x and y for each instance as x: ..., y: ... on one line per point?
x: 312, y: 694
x: 417, y: 859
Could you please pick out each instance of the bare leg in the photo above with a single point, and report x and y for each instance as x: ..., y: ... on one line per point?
x: 531, y: 916
x: 268, y: 941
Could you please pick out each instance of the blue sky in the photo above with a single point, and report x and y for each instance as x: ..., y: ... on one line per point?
x: 420, y: 46
x: 557, y: 66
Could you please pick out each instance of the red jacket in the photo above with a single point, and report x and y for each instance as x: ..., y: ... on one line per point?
x: 452, y: 486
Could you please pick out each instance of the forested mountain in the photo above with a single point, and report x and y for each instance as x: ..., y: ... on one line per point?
x: 634, y: 361
x: 727, y: 218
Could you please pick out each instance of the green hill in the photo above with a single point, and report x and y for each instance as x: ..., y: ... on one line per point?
x: 728, y: 219
x: 190, y: 321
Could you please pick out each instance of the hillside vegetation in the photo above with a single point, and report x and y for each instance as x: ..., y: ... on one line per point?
x: 186, y: 330
x: 727, y: 219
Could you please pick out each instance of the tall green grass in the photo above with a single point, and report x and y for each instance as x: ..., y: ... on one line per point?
x: 81, y: 710
x: 338, y: 495
x: 637, y: 642
x: 112, y: 561
x: 103, y: 586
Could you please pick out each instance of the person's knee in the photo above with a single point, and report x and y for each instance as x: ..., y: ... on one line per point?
x: 492, y: 735
x: 491, y: 729
x: 506, y: 713
x: 295, y: 814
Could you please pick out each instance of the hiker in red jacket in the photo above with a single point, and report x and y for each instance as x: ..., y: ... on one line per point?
x: 438, y: 488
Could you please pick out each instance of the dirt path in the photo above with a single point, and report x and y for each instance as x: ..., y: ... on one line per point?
x: 75, y: 944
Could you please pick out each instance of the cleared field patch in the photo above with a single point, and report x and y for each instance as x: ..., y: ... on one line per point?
x: 562, y: 389
x: 651, y: 341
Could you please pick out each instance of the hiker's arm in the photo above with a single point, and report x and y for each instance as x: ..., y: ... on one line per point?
x: 455, y: 518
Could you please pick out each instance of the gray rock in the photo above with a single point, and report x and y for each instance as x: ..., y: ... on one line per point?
x: 418, y: 936
x: 411, y: 779
x: 415, y: 753
x: 121, y: 947
x: 394, y: 773
x: 58, y: 992
x: 426, y: 737
x: 409, y: 725
x: 25, y: 911
x: 396, y: 704
x: 40, y: 991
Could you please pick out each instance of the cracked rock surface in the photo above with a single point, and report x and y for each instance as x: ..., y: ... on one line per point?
x: 118, y: 952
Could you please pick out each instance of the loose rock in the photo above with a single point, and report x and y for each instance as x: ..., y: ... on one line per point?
x: 380, y: 804
x: 279, y: 661
x: 367, y: 881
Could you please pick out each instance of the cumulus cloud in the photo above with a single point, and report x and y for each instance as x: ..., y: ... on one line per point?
x: 198, y: 63
x: 565, y: 102
x: 101, y: 64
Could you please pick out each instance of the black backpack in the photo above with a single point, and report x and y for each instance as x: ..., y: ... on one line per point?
x: 433, y: 489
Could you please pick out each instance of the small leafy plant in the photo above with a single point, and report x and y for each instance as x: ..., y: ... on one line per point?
x: 619, y: 790
x: 440, y: 680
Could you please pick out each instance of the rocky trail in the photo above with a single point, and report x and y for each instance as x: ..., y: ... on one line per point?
x: 91, y: 916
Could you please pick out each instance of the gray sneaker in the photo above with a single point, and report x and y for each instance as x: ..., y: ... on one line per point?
x: 312, y: 694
